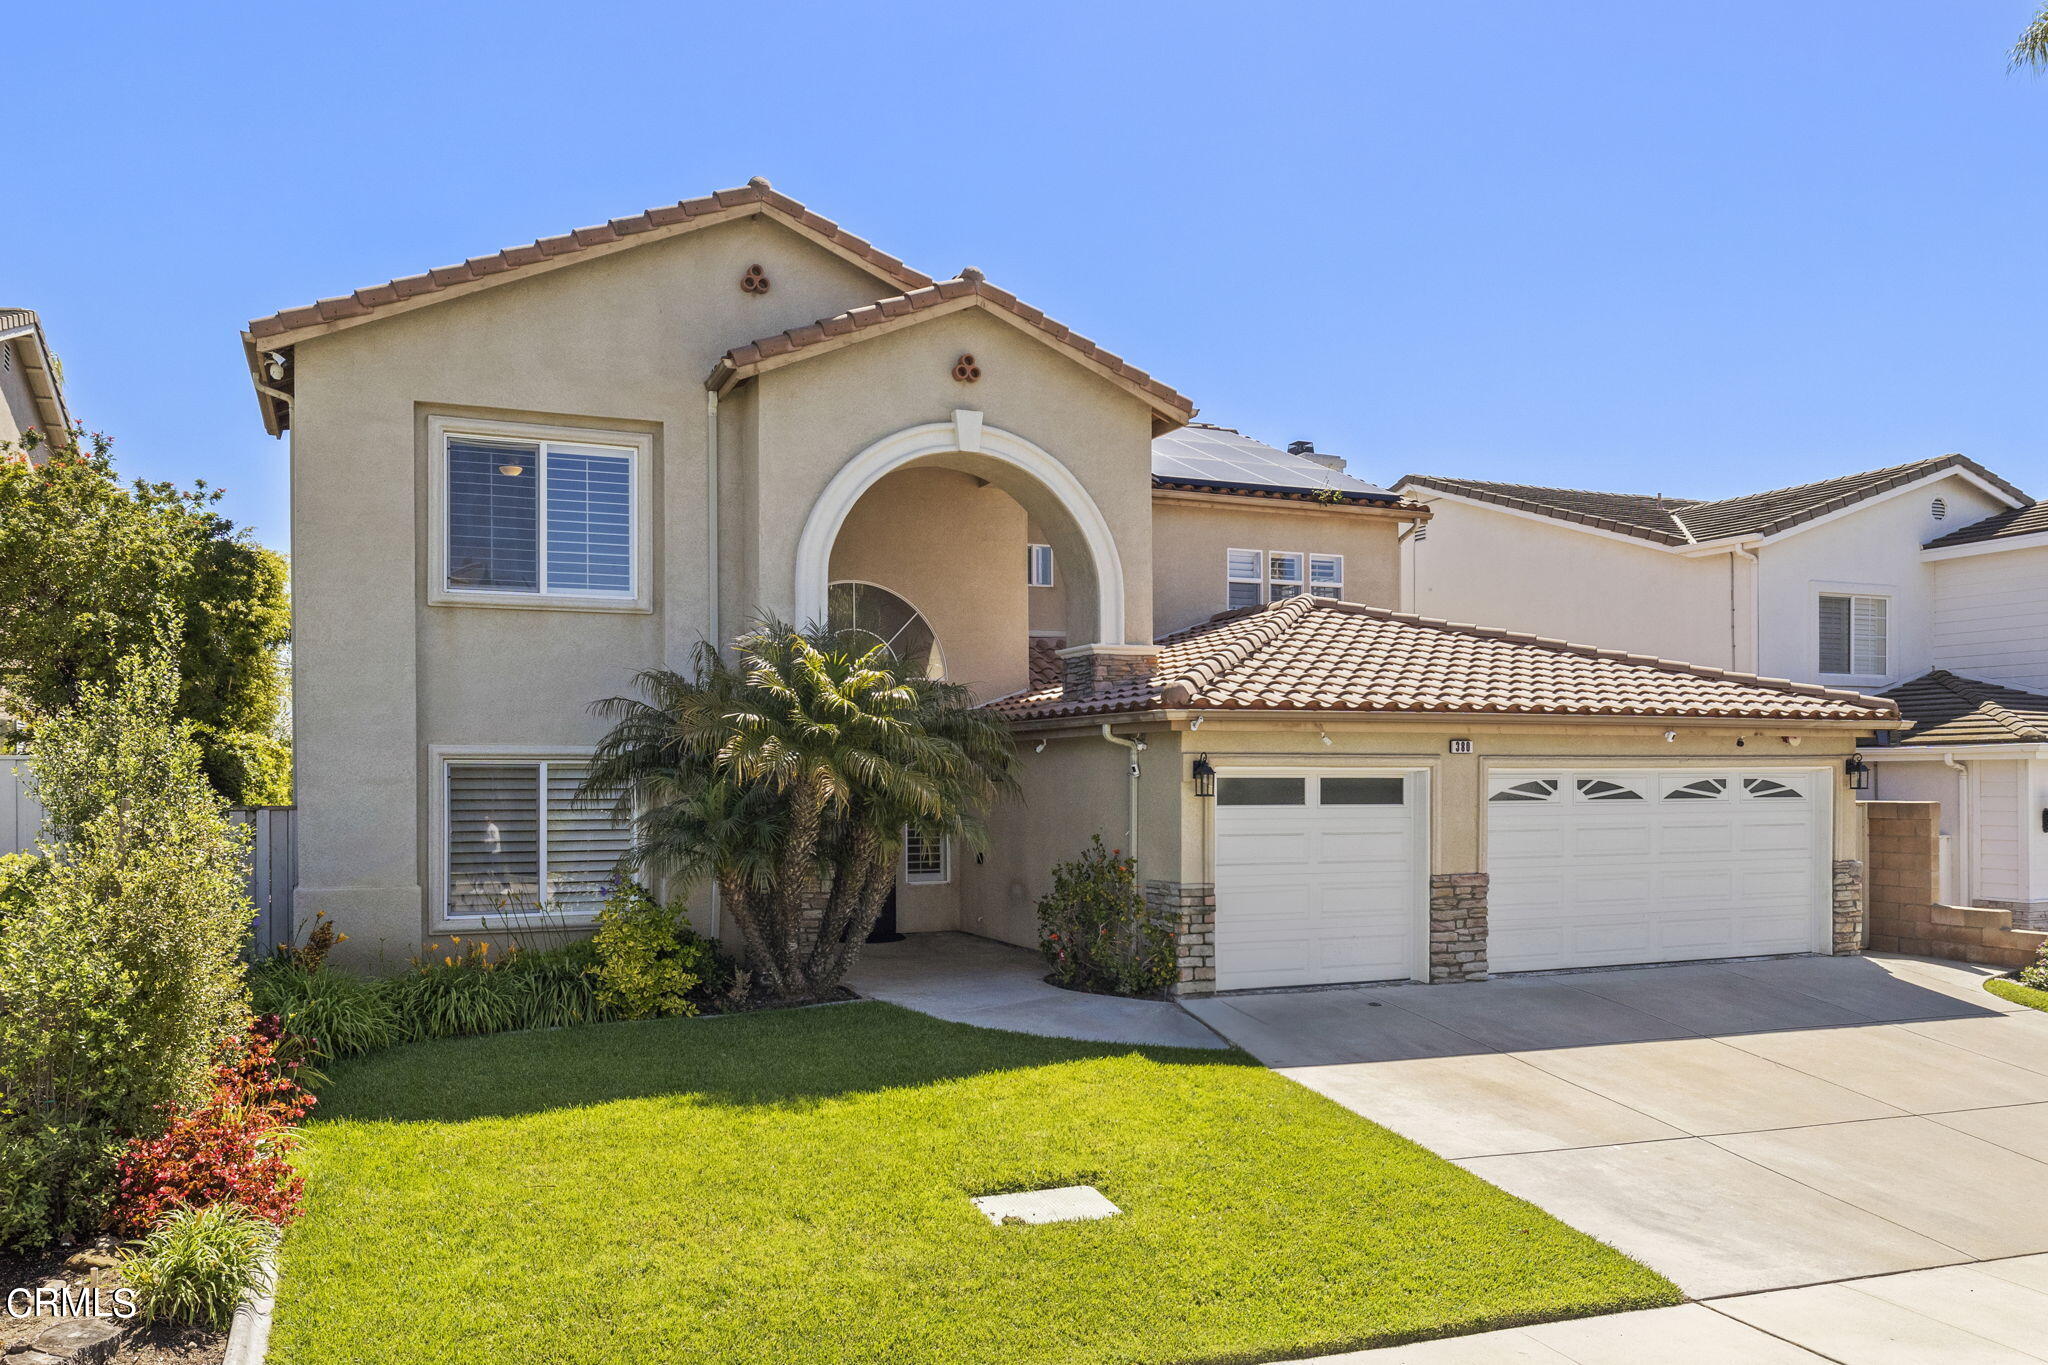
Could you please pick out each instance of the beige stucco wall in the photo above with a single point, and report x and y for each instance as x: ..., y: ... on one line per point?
x: 1190, y: 537
x: 618, y: 343
x: 1495, y: 568
x: 953, y: 547
x: 17, y: 404
x: 808, y: 419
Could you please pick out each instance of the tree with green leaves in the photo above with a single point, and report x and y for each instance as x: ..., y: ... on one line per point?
x: 87, y: 565
x: 786, y: 774
x: 120, y: 971
x: 2032, y: 48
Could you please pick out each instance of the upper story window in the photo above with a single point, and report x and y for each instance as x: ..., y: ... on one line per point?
x: 1253, y: 577
x: 535, y: 516
x: 1283, y: 575
x: 1853, y: 632
x: 1326, y: 576
x: 1038, y: 565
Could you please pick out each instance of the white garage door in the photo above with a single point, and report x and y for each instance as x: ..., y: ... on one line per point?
x: 1602, y: 867
x: 1320, y: 877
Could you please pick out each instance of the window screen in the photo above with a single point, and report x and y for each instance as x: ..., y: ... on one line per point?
x: 1262, y: 791
x: 1283, y: 574
x: 1853, y: 634
x: 1244, y: 570
x: 493, y: 514
x: 1363, y: 791
x: 1326, y: 575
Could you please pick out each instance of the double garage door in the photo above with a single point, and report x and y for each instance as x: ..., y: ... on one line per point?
x: 1322, y: 876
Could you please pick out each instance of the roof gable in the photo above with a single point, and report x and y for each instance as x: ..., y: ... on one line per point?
x: 1946, y: 708
x: 970, y: 290
x: 1646, y: 516
x: 755, y: 198
x: 2031, y: 520
x: 1311, y: 654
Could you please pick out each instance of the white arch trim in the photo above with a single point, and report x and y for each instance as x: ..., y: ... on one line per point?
x: 965, y: 434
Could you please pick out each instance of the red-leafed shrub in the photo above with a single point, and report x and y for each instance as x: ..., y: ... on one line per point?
x: 233, y: 1148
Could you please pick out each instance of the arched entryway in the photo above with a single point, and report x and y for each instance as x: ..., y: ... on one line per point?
x: 1048, y: 492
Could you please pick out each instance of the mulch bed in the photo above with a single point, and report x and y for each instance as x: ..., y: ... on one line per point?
x: 76, y: 1268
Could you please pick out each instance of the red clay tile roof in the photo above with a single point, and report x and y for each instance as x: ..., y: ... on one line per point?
x: 1045, y: 661
x: 1310, y: 654
x: 654, y: 224
x: 1948, y: 709
x: 969, y: 290
x: 1681, y: 521
x: 2031, y: 520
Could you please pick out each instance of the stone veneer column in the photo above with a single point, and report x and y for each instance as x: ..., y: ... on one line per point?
x: 1848, y: 906
x: 1191, y: 908
x: 1457, y: 926
x: 1086, y: 670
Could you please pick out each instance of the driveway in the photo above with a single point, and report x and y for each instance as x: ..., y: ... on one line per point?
x: 1740, y: 1127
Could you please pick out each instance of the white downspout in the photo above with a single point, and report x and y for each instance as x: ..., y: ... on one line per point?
x: 711, y: 513
x: 1965, y: 878
x: 1136, y: 747
x: 1756, y: 663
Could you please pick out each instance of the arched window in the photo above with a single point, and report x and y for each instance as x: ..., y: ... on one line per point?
x: 891, y: 620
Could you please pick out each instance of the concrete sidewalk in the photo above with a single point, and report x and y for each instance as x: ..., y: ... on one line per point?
x: 973, y: 980
x: 1989, y: 1313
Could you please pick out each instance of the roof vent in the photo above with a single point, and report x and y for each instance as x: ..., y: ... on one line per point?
x: 1940, y: 508
x: 1301, y: 447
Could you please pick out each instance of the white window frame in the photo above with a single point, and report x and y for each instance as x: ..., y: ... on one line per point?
x: 640, y: 447
x: 1338, y: 594
x: 1032, y: 564
x: 1854, y: 593
x: 441, y: 758
x: 1300, y: 558
x: 1258, y: 577
x: 939, y: 878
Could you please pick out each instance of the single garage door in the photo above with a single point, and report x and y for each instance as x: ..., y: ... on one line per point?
x: 1321, y: 876
x: 1603, y: 867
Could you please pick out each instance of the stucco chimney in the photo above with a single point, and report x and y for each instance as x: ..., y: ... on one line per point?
x: 1087, y: 672
x: 1307, y: 450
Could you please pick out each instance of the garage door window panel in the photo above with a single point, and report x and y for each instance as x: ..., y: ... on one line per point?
x: 1362, y: 791
x: 1262, y: 791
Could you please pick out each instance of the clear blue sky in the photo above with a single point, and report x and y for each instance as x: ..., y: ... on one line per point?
x: 1697, y: 249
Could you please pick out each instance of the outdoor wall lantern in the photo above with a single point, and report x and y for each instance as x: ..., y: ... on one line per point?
x: 1205, y: 777
x: 1859, y: 773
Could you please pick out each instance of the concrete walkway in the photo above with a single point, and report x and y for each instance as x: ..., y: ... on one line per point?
x: 996, y: 985
x: 1990, y: 1313
x: 1740, y: 1127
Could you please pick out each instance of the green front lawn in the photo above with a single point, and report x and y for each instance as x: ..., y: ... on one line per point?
x: 2007, y: 989
x: 793, y: 1186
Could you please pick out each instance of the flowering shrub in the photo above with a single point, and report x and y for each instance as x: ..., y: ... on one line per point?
x: 2035, y: 974
x: 649, y: 963
x: 233, y: 1147
x: 1096, y: 931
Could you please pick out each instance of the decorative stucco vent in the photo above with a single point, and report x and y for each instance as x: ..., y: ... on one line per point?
x: 1066, y: 1204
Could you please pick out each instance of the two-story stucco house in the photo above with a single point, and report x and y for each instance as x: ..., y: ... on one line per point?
x: 519, y: 480
x: 31, y: 386
x: 1927, y: 582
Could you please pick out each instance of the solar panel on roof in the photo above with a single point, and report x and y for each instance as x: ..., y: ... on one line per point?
x: 1197, y: 455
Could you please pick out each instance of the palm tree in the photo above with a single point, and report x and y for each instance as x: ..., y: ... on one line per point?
x: 787, y: 775
x: 2032, y: 48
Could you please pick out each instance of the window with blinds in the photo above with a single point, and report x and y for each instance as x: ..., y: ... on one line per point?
x: 1244, y: 569
x: 1326, y: 576
x: 1853, y: 631
x: 924, y: 857
x: 520, y: 841
x: 1283, y: 575
x: 540, y: 517
x: 1038, y: 565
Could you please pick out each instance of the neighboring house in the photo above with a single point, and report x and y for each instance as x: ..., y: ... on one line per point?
x: 1928, y: 579
x: 31, y: 383
x: 518, y: 481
